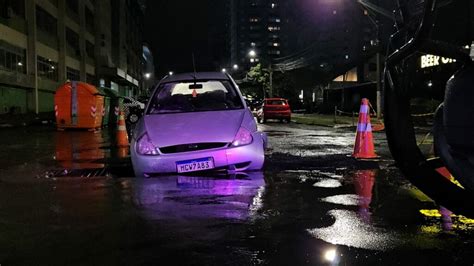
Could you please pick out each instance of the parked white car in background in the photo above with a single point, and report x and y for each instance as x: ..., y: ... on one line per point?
x: 133, y: 109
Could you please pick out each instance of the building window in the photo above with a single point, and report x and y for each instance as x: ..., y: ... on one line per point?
x: 72, y: 39
x: 54, y: 2
x: 89, y: 20
x: 12, y: 60
x: 253, y: 19
x: 72, y: 74
x: 274, y: 19
x: 12, y: 8
x: 90, y: 78
x: 45, y: 21
x: 273, y: 28
x: 90, y: 49
x: 47, y: 68
x: 73, y: 5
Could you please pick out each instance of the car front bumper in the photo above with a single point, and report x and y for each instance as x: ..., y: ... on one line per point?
x: 244, y: 158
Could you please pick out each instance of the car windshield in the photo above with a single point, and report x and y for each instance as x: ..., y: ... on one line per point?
x: 276, y: 102
x: 199, y: 96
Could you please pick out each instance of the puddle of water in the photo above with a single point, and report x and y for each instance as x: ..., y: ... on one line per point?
x: 328, y: 183
x: 350, y: 230
x: 346, y: 200
x: 198, y: 197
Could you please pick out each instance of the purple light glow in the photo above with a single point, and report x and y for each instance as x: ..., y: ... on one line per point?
x: 197, y: 197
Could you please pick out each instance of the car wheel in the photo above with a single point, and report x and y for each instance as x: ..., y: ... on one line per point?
x: 133, y: 118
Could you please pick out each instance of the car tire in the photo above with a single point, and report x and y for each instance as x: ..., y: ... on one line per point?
x: 133, y: 118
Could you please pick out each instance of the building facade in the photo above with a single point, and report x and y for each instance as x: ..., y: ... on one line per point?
x: 258, y: 31
x: 44, y: 43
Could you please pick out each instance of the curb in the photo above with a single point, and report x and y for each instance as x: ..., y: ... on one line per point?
x: 322, y: 125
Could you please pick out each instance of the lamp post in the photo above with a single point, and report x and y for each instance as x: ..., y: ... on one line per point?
x: 232, y: 68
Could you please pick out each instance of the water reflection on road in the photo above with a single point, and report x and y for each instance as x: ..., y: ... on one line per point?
x: 186, y: 199
x: 308, y: 207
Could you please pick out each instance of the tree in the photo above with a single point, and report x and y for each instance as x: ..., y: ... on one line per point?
x: 261, y: 76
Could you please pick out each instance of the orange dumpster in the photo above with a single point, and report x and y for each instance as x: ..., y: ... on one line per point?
x: 78, y: 105
x: 79, y: 149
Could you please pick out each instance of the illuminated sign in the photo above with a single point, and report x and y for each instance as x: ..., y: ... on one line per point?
x: 430, y: 60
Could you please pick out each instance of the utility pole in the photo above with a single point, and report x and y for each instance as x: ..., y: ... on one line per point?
x: 379, y: 76
x: 32, y: 66
x: 381, y: 11
x: 270, y: 70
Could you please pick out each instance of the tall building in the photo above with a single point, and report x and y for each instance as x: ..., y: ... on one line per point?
x: 258, y: 31
x: 43, y: 43
x: 148, y: 69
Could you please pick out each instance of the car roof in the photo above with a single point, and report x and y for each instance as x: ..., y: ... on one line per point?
x: 274, y: 99
x: 198, y: 75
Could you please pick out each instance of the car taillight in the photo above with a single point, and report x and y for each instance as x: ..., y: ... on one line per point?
x: 145, y: 146
x: 242, y: 138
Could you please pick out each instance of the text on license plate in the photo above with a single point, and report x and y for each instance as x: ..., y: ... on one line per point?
x: 195, y: 165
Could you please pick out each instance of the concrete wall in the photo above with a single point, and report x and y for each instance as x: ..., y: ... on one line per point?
x: 13, y: 98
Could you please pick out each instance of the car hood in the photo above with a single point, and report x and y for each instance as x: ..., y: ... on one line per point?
x: 195, y: 127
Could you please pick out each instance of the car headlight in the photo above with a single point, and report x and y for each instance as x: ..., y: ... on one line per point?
x: 243, y: 137
x: 144, y: 146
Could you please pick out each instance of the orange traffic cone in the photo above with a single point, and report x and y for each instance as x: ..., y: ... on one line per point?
x: 364, y: 145
x: 122, y: 136
x: 445, y: 172
x: 363, y: 183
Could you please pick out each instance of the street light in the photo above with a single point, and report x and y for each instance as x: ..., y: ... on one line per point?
x: 170, y: 73
x: 224, y: 70
x: 252, y: 53
x: 147, y: 75
x: 235, y: 67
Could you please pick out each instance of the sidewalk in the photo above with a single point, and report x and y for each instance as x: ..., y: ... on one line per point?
x: 20, y: 120
x: 325, y: 120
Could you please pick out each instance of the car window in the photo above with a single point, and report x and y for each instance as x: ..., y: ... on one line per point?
x: 276, y: 102
x: 177, y: 97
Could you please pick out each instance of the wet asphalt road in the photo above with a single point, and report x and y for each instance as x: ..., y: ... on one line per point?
x: 69, y: 198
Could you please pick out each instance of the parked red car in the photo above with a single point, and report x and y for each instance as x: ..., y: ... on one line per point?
x: 274, y: 108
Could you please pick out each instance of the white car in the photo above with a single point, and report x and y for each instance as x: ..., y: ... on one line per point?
x: 133, y: 109
x: 196, y: 122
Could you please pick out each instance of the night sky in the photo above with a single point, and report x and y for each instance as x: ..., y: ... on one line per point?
x: 177, y: 29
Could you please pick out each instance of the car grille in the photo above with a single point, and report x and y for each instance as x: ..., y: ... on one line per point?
x: 192, y: 147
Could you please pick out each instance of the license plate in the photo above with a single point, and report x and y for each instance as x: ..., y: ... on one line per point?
x: 195, y: 165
